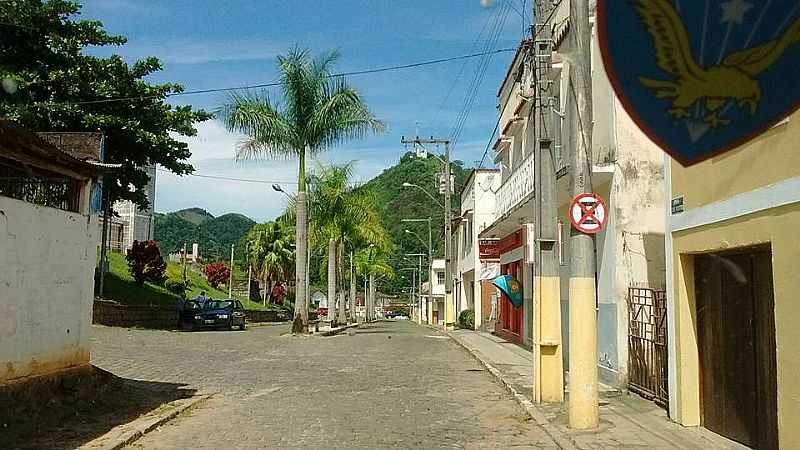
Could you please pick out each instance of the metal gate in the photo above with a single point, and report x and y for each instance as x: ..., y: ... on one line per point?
x: 647, y: 343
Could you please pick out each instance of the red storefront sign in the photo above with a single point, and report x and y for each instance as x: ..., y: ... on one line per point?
x: 489, y: 249
x: 511, y: 242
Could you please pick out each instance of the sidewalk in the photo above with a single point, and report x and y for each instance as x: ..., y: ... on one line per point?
x: 626, y: 420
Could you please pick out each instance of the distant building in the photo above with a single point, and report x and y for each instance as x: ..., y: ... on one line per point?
x: 135, y: 224
x: 433, y: 295
x: 192, y: 257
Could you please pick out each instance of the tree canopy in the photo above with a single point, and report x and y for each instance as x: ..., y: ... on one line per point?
x: 53, y: 85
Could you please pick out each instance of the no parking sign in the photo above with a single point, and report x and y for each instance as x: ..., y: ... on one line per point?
x: 588, y: 213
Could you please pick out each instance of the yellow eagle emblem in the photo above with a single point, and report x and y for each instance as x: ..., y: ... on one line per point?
x: 734, y: 79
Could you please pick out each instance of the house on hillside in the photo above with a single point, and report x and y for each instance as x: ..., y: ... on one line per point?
x: 48, y: 237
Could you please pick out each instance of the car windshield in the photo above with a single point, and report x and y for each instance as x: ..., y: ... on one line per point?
x: 219, y: 304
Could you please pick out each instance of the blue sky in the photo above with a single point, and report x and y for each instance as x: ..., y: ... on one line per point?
x: 210, y: 44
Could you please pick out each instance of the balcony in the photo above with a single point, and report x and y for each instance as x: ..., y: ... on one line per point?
x: 517, y: 189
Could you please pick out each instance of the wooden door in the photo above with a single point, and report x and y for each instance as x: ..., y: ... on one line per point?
x: 736, y: 335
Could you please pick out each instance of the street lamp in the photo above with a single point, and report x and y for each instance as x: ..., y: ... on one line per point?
x: 419, y: 238
x: 407, y: 184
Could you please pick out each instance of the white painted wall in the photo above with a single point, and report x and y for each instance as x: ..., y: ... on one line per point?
x: 47, y: 262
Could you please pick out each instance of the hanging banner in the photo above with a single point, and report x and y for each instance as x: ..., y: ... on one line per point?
x: 511, y: 287
x: 702, y: 77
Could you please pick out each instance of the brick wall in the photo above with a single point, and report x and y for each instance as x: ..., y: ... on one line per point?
x: 159, y: 317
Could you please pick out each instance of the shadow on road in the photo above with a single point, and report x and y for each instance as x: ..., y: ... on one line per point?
x: 77, y: 407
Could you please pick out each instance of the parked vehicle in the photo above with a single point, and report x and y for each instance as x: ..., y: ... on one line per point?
x: 214, y: 314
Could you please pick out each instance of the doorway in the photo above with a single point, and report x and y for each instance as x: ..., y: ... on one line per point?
x: 736, y: 342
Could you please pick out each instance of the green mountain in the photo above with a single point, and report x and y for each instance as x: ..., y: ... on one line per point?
x: 194, y: 215
x: 396, y: 202
x: 214, y: 234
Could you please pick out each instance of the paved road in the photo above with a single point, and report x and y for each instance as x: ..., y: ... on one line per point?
x: 391, y: 385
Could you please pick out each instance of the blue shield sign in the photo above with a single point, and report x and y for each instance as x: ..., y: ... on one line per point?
x: 701, y: 77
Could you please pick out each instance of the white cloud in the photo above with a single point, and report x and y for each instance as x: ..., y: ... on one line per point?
x: 213, y: 155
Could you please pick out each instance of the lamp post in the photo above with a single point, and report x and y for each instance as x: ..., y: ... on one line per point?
x: 407, y: 184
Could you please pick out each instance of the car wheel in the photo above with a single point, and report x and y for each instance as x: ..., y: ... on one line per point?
x: 242, y: 327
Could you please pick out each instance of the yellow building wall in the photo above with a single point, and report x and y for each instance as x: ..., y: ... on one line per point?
x: 771, y: 158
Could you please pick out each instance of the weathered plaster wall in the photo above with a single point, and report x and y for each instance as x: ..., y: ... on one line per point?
x: 47, y: 261
x: 637, y: 202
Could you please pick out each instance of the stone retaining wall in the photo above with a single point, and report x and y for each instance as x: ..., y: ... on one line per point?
x: 159, y: 317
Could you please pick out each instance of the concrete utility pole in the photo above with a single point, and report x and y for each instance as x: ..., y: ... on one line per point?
x: 583, y: 395
x: 548, y: 366
x: 449, y: 306
x: 230, y: 276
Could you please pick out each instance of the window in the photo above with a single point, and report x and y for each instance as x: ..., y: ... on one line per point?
x: 440, y: 277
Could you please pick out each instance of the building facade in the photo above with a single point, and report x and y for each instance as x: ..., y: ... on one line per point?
x: 474, y: 270
x: 732, y: 258
x: 627, y: 171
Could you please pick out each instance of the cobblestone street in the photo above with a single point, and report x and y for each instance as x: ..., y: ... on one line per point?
x: 391, y: 385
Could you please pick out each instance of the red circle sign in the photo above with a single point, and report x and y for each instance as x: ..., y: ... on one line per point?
x: 588, y: 213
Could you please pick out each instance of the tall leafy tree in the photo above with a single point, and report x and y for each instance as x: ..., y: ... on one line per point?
x: 51, y: 84
x: 317, y: 112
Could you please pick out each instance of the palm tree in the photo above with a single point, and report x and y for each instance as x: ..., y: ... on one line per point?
x: 270, y: 250
x: 372, y: 263
x: 318, y: 111
x: 344, y: 219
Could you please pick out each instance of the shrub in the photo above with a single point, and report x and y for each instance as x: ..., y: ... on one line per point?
x: 217, y: 273
x: 467, y: 319
x: 175, y: 286
x: 145, y: 262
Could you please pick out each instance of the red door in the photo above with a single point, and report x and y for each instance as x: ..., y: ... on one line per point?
x: 510, y: 319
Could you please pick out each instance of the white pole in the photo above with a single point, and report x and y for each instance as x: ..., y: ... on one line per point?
x: 249, y: 277
x: 230, y: 276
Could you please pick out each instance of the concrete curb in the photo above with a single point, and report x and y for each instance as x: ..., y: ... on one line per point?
x: 266, y: 324
x: 133, y: 431
x: 337, y: 330
x: 561, y: 440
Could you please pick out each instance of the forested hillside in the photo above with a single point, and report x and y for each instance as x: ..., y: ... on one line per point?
x: 396, y: 202
x: 214, y: 234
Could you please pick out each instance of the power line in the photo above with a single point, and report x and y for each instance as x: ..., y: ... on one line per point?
x: 497, y: 125
x: 489, y: 144
x: 278, y: 83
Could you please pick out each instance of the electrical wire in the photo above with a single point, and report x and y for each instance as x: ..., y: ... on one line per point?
x: 278, y: 83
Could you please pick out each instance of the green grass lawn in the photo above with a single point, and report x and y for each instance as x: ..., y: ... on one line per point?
x: 120, y: 287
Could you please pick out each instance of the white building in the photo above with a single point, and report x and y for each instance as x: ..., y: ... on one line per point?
x: 47, y: 254
x: 475, y: 269
x: 135, y: 224
x: 433, y: 295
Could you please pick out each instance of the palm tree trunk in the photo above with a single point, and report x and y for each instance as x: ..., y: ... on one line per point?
x: 332, y: 280
x: 340, y: 271
x: 300, y: 307
x: 352, y: 291
x: 371, y: 310
x: 266, y: 288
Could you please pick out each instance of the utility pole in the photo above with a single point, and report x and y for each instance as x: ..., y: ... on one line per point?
x: 449, y: 306
x: 230, y: 276
x: 583, y: 396
x: 548, y: 366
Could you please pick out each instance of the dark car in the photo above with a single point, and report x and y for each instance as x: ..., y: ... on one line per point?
x: 213, y: 314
